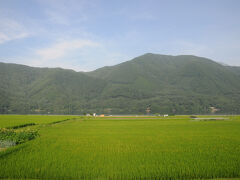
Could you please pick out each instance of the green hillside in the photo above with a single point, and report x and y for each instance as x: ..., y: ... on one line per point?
x: 236, y: 70
x: 172, y: 84
x: 167, y: 84
x: 25, y: 89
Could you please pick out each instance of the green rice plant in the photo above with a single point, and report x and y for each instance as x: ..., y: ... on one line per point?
x: 128, y: 148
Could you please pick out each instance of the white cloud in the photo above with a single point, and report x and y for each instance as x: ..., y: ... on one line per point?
x: 62, y: 48
x: 80, y: 55
x: 65, y: 12
x: 11, y: 30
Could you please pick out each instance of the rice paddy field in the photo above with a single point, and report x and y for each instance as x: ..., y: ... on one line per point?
x: 176, y: 147
x: 15, y: 120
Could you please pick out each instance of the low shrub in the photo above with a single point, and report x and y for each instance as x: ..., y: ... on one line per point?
x: 21, y: 126
x: 9, y: 137
x: 60, y: 121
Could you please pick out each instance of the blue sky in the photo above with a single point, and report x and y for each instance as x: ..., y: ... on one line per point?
x: 87, y: 34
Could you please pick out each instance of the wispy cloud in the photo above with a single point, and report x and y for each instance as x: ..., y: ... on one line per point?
x: 80, y: 55
x: 64, y: 12
x: 62, y: 48
x: 11, y: 30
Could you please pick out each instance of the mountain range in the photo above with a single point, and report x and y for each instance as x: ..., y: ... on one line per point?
x: 164, y: 84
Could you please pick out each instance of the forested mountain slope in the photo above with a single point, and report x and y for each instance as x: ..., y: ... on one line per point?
x: 167, y: 84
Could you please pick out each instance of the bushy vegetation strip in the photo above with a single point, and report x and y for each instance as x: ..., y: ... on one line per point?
x: 10, y: 137
x: 21, y: 126
x: 60, y: 121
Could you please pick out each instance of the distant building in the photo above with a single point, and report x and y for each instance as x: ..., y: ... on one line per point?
x: 165, y: 115
x: 213, y: 110
x: 148, y: 110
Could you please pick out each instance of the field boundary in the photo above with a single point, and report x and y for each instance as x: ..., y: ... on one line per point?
x: 21, y: 126
x: 60, y: 121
